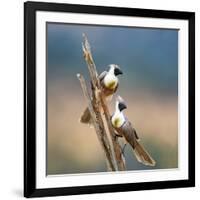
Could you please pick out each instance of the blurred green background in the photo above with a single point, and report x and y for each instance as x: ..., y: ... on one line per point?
x: 149, y: 85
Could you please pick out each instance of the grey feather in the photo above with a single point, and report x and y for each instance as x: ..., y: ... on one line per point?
x: 102, y: 75
x: 129, y: 132
x: 132, y: 138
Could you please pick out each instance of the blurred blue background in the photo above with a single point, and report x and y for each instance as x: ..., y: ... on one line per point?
x: 149, y: 61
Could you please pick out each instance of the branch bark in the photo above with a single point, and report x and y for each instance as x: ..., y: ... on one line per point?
x: 116, y: 146
x: 114, y: 151
x: 98, y: 125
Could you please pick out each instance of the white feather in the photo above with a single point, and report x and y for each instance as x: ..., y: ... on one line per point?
x: 110, y: 79
x: 118, y: 118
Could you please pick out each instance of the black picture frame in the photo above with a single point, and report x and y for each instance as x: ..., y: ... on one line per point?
x: 30, y: 9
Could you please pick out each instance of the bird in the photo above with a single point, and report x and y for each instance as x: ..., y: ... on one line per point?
x: 109, y: 83
x: 124, y: 128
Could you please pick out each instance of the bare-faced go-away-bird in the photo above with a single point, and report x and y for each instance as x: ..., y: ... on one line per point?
x: 109, y: 83
x: 124, y: 128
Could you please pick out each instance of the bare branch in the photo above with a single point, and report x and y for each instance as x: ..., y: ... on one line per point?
x: 116, y: 148
x: 98, y: 125
x: 90, y: 62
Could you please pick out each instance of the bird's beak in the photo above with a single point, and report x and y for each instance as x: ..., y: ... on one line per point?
x: 122, y: 104
x: 117, y: 71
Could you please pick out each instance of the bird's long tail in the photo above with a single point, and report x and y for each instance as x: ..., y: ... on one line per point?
x: 142, y: 155
x: 86, y: 117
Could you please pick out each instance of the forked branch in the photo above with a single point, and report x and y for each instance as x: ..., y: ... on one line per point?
x: 98, y: 124
x: 112, y: 149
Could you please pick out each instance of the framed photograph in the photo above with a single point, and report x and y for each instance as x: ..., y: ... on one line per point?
x: 109, y: 99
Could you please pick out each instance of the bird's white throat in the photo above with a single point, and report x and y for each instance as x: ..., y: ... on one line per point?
x: 110, y: 79
x: 118, y: 118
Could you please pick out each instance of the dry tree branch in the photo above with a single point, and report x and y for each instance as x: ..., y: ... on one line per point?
x: 116, y: 146
x: 98, y: 125
x: 117, y: 155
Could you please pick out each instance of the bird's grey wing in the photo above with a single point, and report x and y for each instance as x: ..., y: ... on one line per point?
x: 128, y: 126
x: 140, y: 152
x: 102, y: 75
x: 129, y: 133
x: 136, y: 135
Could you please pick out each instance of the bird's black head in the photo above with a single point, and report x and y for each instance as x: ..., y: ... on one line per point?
x: 121, y: 106
x: 121, y: 103
x: 117, y: 70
